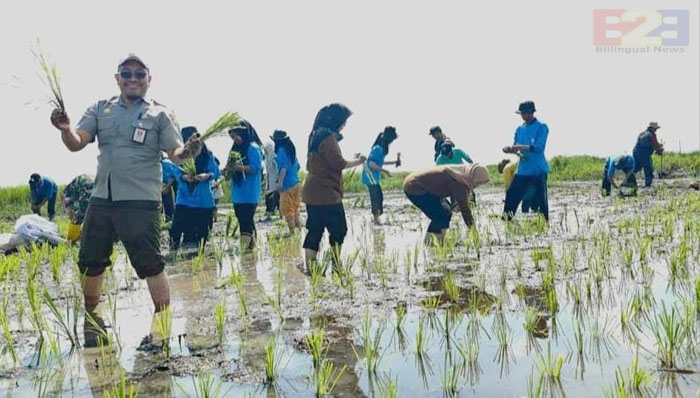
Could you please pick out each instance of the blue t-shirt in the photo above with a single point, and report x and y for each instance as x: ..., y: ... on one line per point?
x: 291, y: 179
x: 250, y: 187
x: 369, y: 175
x: 532, y: 161
x: 199, y: 194
x: 46, y: 190
x: 619, y: 162
x: 170, y: 170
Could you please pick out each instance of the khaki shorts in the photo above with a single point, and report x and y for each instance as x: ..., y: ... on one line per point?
x: 290, y: 200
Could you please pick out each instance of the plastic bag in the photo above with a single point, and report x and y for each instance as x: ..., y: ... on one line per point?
x: 34, y: 227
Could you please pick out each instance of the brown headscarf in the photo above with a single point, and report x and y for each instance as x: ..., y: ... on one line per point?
x: 469, y: 175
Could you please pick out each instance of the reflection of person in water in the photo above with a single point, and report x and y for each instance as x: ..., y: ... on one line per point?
x: 340, y: 352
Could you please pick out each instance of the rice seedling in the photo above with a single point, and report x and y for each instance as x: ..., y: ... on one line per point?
x: 519, y: 266
x: 326, y: 378
x: 431, y: 303
x: 231, y: 226
x: 164, y: 321
x: 450, y: 380
x: 123, y: 389
x: 534, y: 387
x: 469, y: 352
x: 198, y: 260
x: 59, y: 319
x: 205, y: 385
x: 224, y: 123
x: 35, y: 315
x: 7, y: 333
x: 57, y: 257
x: 273, y: 359
x: 549, y: 366
x: 669, y: 336
x: 388, y: 389
x: 400, y: 312
x: 450, y: 287
x: 316, y: 343
x: 49, y: 77
x: 371, y: 344
x: 220, y: 319
x: 238, y: 281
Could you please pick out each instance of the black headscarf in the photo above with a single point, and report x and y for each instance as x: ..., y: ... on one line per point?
x: 246, y: 131
x: 287, y: 145
x: 329, y: 120
x: 385, y: 138
x: 202, y: 160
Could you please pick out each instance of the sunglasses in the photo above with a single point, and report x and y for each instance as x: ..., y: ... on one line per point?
x: 127, y: 74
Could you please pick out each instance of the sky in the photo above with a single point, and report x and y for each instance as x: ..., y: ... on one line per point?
x: 412, y: 64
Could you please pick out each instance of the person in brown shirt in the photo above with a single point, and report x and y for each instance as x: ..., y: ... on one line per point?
x: 427, y: 189
x: 323, y: 188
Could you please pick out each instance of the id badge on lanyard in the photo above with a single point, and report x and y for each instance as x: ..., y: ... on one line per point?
x: 139, y: 135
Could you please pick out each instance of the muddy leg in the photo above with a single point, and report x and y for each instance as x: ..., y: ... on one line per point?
x: 159, y: 287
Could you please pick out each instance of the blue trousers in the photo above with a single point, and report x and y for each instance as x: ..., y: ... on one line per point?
x: 518, y: 191
x: 643, y: 161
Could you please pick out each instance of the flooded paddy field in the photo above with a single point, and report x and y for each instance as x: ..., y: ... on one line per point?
x: 603, y: 302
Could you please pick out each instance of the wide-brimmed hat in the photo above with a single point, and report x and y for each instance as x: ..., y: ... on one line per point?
x: 435, y: 130
x: 526, y: 107
x: 279, y: 135
x: 654, y: 125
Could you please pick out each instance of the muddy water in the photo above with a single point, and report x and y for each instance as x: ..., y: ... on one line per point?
x: 392, y: 268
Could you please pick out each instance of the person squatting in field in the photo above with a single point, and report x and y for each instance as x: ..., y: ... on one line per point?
x: 323, y: 188
x: 244, y: 169
x: 374, y: 168
x: 529, y: 143
x: 43, y: 192
x: 131, y: 130
x: 613, y: 164
x: 76, y: 198
x: 288, y: 184
x: 428, y: 189
x: 194, y: 206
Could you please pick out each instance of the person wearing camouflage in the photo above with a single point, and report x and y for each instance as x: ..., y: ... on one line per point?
x: 76, y: 197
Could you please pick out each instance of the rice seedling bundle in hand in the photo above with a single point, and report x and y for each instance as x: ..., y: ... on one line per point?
x: 48, y: 75
x: 189, y: 167
x: 226, y: 122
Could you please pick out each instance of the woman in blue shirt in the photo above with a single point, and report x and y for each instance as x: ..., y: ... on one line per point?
x: 244, y: 168
x: 529, y: 143
x: 194, y: 206
x: 288, y: 182
x: 373, y: 170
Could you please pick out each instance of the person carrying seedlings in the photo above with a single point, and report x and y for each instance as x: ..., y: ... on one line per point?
x: 288, y: 183
x: 132, y: 130
x: 613, y: 164
x: 272, y: 196
x: 244, y: 169
x: 529, y: 143
x: 323, y: 188
x: 169, y: 171
x: 428, y: 189
x: 374, y: 168
x: 194, y: 207
x: 450, y: 155
x: 439, y: 137
x: 647, y: 143
x: 43, y: 192
x: 76, y: 197
x: 508, y: 170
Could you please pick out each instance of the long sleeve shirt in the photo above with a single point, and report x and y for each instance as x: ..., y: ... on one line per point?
x: 438, y: 183
x: 324, y: 183
x: 198, y: 194
x: 45, y: 191
x: 534, y: 135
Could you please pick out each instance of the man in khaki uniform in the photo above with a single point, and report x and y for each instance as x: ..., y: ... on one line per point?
x: 131, y: 130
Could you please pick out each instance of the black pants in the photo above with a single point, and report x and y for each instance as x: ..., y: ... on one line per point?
x: 168, y: 204
x: 376, y: 199
x: 518, y: 190
x: 631, y: 182
x: 321, y: 218
x: 245, y: 213
x: 50, y: 207
x: 272, y: 201
x: 190, y: 225
x: 642, y: 160
x: 432, y: 207
x: 138, y: 227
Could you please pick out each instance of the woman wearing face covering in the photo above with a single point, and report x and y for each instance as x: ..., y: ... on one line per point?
x: 427, y: 189
x: 323, y: 188
x: 244, y: 168
x: 194, y: 207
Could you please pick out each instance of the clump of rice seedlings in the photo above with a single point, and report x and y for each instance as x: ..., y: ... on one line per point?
x: 632, y: 382
x: 316, y: 343
x: 601, y: 338
x: 123, y: 389
x: 371, y: 344
x: 7, y: 333
x: 534, y: 387
x: 450, y: 287
x: 643, y: 248
x: 231, y: 225
x: 224, y: 123
x: 431, y: 303
x: 504, y: 337
x: 57, y: 257
x: 532, y: 317
x: 474, y: 241
x: 218, y: 252
x: 450, y: 380
x: 276, y: 300
x: 164, y: 323
x: 49, y: 77
x: 317, y: 271
x: 469, y: 351
x: 519, y: 266
x: 205, y: 386
x: 343, y: 275
x: 220, y: 319
x: 669, y: 336
x: 400, y: 312
x: 198, y: 260
x: 387, y: 389
x: 549, y: 366
x: 697, y: 293
x: 326, y: 378
x: 273, y: 359
x: 35, y: 315
x: 421, y: 339
x: 59, y: 319
x: 238, y: 281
